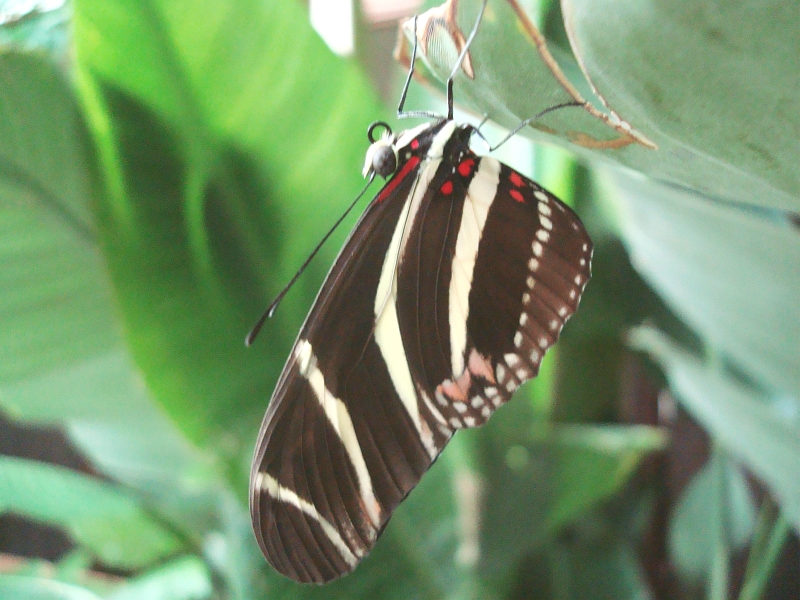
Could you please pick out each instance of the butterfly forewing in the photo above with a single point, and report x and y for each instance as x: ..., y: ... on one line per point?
x: 454, y: 283
x: 338, y: 449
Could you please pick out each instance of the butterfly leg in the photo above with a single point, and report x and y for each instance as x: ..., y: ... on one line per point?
x: 460, y: 60
x: 401, y: 114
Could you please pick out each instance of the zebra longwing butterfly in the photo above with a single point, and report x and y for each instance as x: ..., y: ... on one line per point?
x: 456, y: 280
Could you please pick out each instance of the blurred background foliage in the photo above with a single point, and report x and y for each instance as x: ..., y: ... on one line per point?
x: 166, y: 165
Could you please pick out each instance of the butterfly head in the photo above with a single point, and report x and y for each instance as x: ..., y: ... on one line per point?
x: 390, y: 151
x: 382, y: 157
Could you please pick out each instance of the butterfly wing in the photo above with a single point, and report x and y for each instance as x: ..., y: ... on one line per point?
x: 495, y: 268
x: 342, y: 444
x: 426, y: 323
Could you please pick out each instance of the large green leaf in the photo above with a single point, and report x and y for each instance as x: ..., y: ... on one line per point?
x: 97, y: 515
x: 712, y: 83
x: 680, y: 84
x: 757, y: 430
x: 62, y: 357
x: 47, y: 229
x: 182, y: 485
x: 229, y: 138
x: 514, y: 74
x: 730, y: 273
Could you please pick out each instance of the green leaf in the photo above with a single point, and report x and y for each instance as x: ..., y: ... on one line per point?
x: 52, y: 300
x: 18, y: 587
x: 692, y: 77
x: 515, y: 76
x: 730, y: 273
x: 716, y: 506
x: 186, y: 578
x: 171, y: 476
x: 236, y: 138
x: 672, y: 94
x: 61, y: 352
x: 533, y: 486
x: 62, y: 357
x: 748, y: 425
x: 96, y: 514
x: 74, y: 565
x: 595, y: 462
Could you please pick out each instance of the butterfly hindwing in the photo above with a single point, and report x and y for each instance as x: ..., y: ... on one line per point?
x: 494, y: 268
x: 533, y: 263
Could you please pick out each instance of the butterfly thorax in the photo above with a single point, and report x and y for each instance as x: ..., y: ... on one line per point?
x: 389, y: 154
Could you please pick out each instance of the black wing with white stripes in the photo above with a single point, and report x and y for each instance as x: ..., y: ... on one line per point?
x: 456, y: 280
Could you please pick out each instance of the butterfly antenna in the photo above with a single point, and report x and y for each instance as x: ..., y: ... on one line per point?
x: 530, y: 120
x: 248, y: 341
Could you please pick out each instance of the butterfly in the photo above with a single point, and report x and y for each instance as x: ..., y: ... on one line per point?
x: 455, y: 281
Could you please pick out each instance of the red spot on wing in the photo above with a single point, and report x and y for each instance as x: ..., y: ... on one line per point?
x: 515, y: 179
x: 465, y: 168
x: 447, y: 188
x: 398, y: 179
x: 414, y: 144
x: 516, y: 195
